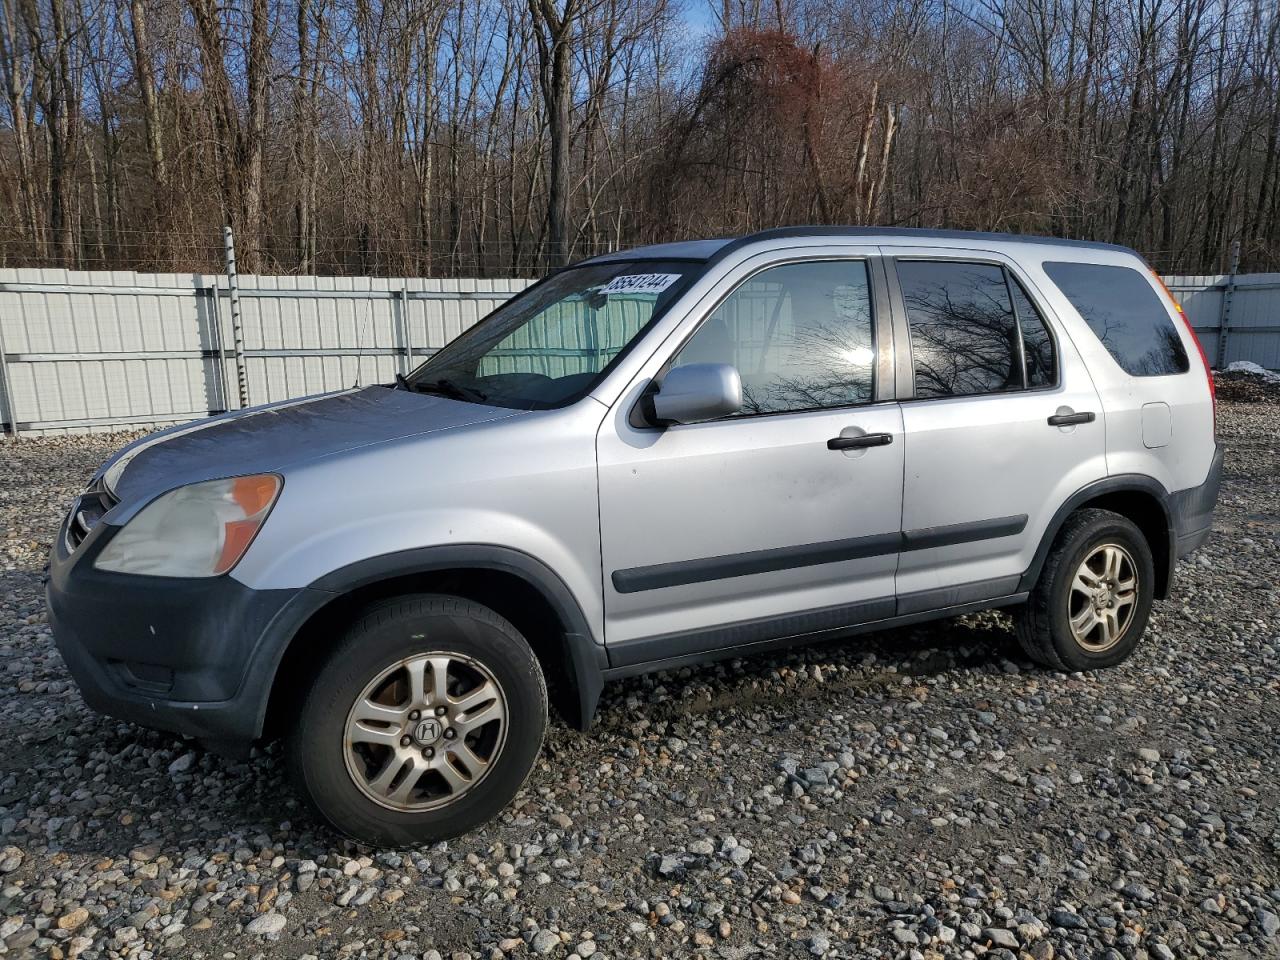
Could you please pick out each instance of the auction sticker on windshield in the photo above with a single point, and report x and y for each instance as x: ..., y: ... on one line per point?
x: 640, y: 283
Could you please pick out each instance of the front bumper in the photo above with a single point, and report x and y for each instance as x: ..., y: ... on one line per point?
x: 192, y: 656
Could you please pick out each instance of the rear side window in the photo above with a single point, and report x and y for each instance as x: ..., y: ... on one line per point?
x: 964, y: 332
x: 1126, y: 314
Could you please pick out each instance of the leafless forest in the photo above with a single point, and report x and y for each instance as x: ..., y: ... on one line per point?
x: 500, y: 137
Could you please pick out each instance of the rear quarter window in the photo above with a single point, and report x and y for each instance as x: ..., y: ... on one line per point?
x: 1125, y: 313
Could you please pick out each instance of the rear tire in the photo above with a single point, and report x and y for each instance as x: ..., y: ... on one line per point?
x: 1093, y: 599
x: 422, y: 724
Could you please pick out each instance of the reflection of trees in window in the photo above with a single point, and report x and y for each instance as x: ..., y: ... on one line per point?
x: 1037, y: 344
x: 1162, y: 357
x: 964, y: 337
x: 799, y: 335
x: 1151, y: 356
x: 1125, y: 313
x: 824, y: 362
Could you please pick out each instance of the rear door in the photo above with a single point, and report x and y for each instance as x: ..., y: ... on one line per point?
x: 763, y: 524
x: 1002, y: 423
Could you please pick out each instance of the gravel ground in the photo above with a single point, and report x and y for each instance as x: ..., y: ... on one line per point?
x: 921, y: 793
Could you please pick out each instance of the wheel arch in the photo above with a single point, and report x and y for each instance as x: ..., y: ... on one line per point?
x: 1143, y: 500
x: 516, y: 585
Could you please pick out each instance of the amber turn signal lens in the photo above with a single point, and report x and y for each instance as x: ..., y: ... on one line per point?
x: 254, y: 495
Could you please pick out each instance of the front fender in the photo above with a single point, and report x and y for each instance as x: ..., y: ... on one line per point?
x: 527, y: 484
x: 585, y: 656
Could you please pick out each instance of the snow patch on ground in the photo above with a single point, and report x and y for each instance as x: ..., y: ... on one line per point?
x: 1253, y: 369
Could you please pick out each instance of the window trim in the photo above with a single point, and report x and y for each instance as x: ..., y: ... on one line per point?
x: 1010, y: 278
x: 902, y: 329
x: 1017, y: 325
x: 883, y: 335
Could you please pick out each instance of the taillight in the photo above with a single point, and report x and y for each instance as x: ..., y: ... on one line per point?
x: 1204, y: 359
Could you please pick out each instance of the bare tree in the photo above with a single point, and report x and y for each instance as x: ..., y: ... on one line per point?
x: 485, y: 137
x: 240, y: 143
x: 555, y: 24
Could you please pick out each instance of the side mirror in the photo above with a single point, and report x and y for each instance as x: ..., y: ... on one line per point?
x: 698, y: 391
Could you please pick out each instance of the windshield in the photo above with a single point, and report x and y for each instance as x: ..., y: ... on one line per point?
x: 550, y: 345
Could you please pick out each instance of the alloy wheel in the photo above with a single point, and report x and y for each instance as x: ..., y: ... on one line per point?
x: 1103, y: 597
x: 425, y: 731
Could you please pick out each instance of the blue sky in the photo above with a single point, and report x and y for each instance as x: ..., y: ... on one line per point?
x: 698, y: 15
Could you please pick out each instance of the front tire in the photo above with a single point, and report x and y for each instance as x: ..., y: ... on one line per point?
x: 1093, y: 599
x: 422, y: 724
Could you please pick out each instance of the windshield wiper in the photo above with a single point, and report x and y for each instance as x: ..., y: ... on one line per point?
x: 448, y: 388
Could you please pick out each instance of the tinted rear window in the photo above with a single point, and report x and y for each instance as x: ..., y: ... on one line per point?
x: 1126, y: 314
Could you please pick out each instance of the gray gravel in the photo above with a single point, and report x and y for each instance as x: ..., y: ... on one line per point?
x: 921, y: 793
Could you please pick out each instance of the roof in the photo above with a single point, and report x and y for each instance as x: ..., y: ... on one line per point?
x: 715, y: 248
x: 681, y: 250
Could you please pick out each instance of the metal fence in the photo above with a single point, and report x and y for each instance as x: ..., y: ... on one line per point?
x: 111, y: 351
x: 1236, y: 316
x: 86, y: 351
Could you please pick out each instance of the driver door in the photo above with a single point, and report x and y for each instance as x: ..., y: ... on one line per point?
x: 757, y: 526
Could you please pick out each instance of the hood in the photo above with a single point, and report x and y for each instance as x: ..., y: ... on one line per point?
x: 274, y: 437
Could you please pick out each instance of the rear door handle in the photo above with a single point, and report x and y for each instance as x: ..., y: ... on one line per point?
x: 856, y: 443
x: 1069, y: 419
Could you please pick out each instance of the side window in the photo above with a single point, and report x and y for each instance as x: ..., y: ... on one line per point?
x: 1126, y: 314
x: 964, y: 333
x: 800, y: 335
x: 1037, y: 344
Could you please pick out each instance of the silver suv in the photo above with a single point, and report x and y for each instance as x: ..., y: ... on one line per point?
x: 649, y: 459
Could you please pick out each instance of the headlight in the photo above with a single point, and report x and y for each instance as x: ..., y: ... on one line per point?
x: 201, y: 530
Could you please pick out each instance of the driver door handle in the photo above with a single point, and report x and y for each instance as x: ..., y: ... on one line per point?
x: 856, y: 443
